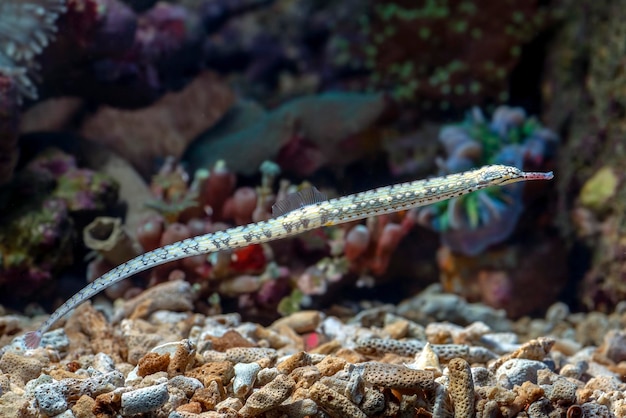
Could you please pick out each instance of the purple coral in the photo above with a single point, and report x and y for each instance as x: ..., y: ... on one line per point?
x: 33, y: 243
x: 471, y: 223
x: 36, y: 226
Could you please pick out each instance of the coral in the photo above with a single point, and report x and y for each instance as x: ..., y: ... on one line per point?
x: 23, y: 368
x: 163, y: 129
x: 396, y: 377
x: 613, y: 346
x: 269, y: 396
x: 144, y: 400
x: 412, y: 153
x: 300, y: 384
x: 89, y: 328
x: 461, y: 387
x: 210, y: 396
x: 522, y: 277
x: 81, y: 189
x: 379, y: 345
x: 245, y: 354
x: 432, y: 305
x: 176, y: 295
x: 369, y: 248
x: 301, y: 322
x: 181, y: 358
x: 26, y: 28
x: 50, y: 399
x: 444, y: 54
x: 599, y: 190
x: 472, y: 223
x: 333, y: 402
x: 107, y: 53
x: 107, y: 236
x: 30, y: 256
x: 588, y: 76
x: 152, y: 363
x: 84, y: 407
x: 301, y: 135
x: 187, y: 384
x: 517, y: 371
x: 245, y: 376
x: 221, y: 371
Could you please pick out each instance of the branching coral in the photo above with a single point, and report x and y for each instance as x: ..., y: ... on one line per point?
x: 207, y: 202
x: 26, y: 27
x: 472, y: 223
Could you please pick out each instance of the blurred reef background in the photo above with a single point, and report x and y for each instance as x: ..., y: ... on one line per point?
x: 129, y: 124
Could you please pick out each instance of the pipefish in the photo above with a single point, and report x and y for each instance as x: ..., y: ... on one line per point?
x: 300, y: 212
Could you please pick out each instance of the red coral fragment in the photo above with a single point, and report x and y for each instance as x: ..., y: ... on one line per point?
x: 248, y: 259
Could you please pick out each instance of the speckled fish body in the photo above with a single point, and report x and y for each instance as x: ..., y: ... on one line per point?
x: 304, y: 211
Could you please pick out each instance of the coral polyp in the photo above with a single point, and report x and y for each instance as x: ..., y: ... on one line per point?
x: 26, y: 27
x: 469, y: 224
x: 447, y: 53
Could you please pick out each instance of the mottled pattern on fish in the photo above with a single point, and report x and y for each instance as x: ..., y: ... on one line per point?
x: 300, y: 212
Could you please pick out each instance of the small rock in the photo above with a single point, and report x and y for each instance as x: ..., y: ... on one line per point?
x: 144, y: 400
x: 517, y: 371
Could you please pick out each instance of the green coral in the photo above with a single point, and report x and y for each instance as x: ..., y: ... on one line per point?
x: 445, y: 52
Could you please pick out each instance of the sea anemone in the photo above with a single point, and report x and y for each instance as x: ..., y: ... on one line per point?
x: 26, y: 27
x: 471, y: 223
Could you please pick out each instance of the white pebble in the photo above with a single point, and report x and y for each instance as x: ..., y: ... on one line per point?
x: 144, y: 400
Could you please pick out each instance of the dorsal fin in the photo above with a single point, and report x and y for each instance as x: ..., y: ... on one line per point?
x: 296, y: 200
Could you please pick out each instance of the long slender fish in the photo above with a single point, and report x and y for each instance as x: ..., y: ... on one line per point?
x: 300, y: 212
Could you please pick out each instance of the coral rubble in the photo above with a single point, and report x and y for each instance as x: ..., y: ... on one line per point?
x: 222, y: 366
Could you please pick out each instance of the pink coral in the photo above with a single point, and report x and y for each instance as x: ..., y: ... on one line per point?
x: 369, y: 247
